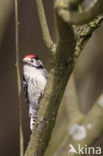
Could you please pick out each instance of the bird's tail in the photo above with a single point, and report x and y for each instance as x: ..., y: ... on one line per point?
x: 33, y: 117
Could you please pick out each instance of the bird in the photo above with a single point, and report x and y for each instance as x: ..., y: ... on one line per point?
x: 34, y: 81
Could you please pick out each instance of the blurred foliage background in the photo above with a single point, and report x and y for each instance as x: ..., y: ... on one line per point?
x: 88, y: 72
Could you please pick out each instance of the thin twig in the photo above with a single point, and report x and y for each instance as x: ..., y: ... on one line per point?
x: 44, y: 27
x: 18, y: 78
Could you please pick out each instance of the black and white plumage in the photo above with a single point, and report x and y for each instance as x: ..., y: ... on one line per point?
x: 34, y: 80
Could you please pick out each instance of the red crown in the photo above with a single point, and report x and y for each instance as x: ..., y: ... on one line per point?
x: 30, y: 56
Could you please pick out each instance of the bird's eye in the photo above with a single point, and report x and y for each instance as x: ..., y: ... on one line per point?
x: 31, y: 60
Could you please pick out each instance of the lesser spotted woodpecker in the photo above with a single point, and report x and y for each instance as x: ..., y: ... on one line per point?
x: 34, y: 80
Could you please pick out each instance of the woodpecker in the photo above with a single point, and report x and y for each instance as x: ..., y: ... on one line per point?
x: 34, y: 81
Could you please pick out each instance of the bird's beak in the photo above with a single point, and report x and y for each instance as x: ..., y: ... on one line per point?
x: 26, y: 60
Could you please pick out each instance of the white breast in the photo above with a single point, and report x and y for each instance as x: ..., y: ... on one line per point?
x: 36, y: 83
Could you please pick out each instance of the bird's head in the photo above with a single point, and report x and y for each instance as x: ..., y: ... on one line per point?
x: 32, y: 60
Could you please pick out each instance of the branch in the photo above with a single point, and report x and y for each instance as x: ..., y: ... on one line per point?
x: 71, y: 102
x: 70, y: 99
x: 44, y: 27
x: 69, y: 114
x: 76, y: 17
x: 56, y: 84
x: 84, y: 33
x: 19, y: 78
x: 58, y: 78
x: 87, y: 131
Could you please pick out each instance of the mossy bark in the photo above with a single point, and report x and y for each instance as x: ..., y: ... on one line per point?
x: 63, y: 64
x: 57, y: 82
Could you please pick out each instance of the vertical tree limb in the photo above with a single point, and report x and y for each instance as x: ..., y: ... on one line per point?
x: 59, y: 137
x: 69, y: 114
x: 19, y: 78
x: 56, y: 84
x: 59, y: 75
x: 44, y: 27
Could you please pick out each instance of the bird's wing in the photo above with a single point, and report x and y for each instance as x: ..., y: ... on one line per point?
x: 45, y: 73
x: 25, y: 86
